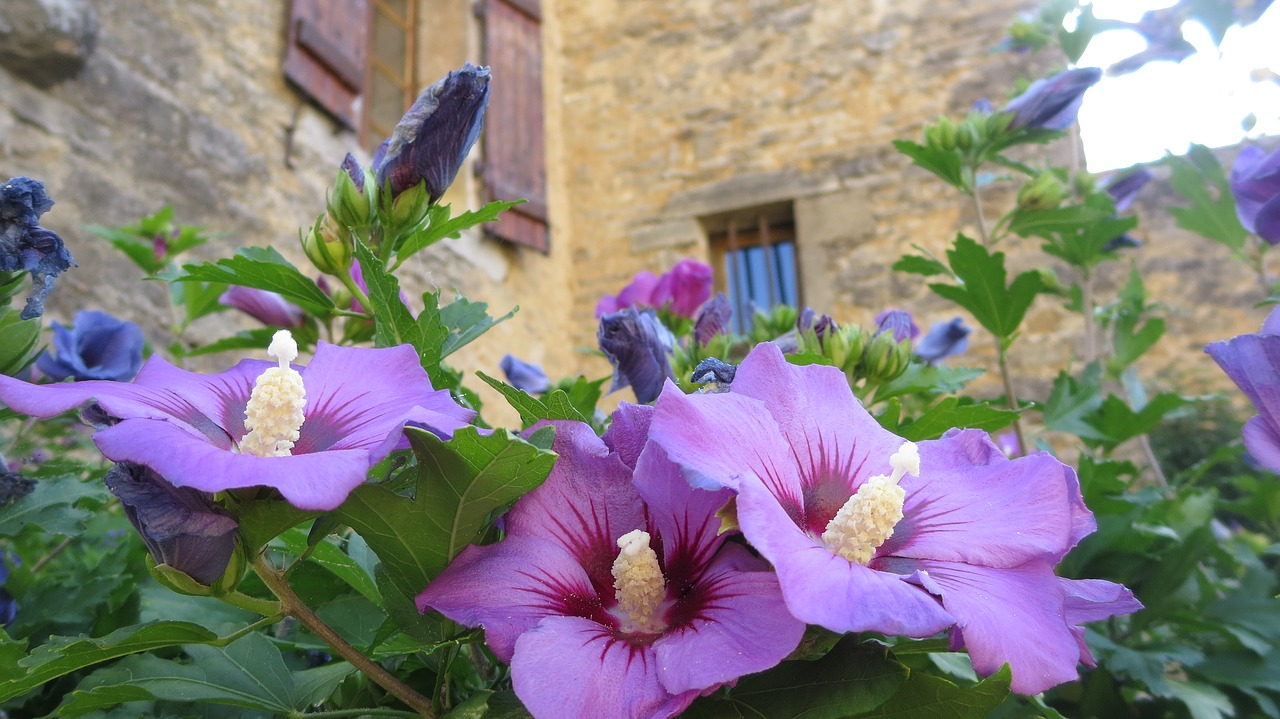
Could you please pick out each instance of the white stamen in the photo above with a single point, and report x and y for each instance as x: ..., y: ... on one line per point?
x: 273, y: 415
x: 867, y: 520
x: 639, y: 583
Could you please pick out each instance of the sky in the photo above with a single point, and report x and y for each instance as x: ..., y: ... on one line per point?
x: 1165, y: 106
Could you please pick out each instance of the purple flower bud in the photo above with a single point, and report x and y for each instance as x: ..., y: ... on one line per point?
x: 898, y: 322
x: 1124, y: 188
x: 269, y: 308
x: 944, y: 339
x: 97, y: 346
x: 639, y: 348
x: 713, y: 319
x: 181, y: 526
x: 1052, y: 103
x: 433, y: 138
x: 686, y: 286
x: 354, y: 170
x: 525, y: 376
x: 27, y: 247
x: 1255, y: 183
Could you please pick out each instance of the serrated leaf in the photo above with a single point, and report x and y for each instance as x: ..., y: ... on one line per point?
x: 920, y: 378
x: 254, y: 339
x: 262, y: 520
x: 554, y: 405
x: 1199, y: 179
x: 466, y: 320
x: 919, y: 265
x: 440, y: 226
x: 197, y: 299
x: 850, y: 679
x: 63, y: 655
x: 328, y: 555
x: 51, y: 506
x: 394, y: 324
x: 262, y: 268
x: 982, y: 288
x: 1117, y: 422
x: 947, y: 165
x: 248, y: 673
x: 924, y: 696
x: 951, y: 412
x: 460, y: 484
x: 1070, y: 401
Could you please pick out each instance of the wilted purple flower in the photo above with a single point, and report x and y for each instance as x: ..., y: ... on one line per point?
x: 944, y: 339
x: 208, y: 432
x: 713, y: 319
x: 1252, y: 361
x: 269, y: 308
x: 899, y: 322
x: 1052, y: 103
x: 683, y: 288
x: 639, y: 347
x: 872, y: 533
x: 182, y: 527
x: 8, y: 605
x: 592, y: 631
x: 25, y: 246
x: 433, y: 138
x: 1125, y: 188
x: 13, y: 486
x: 1255, y: 183
x: 525, y: 376
x: 97, y: 346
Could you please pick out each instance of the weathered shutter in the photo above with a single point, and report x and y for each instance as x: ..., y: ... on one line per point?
x: 326, y: 51
x: 514, y: 153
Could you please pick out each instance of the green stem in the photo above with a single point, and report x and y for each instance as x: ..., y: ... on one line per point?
x: 265, y: 607
x: 265, y: 621
x: 296, y: 608
x: 357, y: 293
x: 982, y: 218
x: 1007, y: 378
x: 1090, y: 326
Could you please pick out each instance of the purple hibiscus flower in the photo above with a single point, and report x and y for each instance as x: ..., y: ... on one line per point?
x: 639, y: 347
x: 1052, y: 103
x: 524, y: 375
x: 96, y: 346
x: 1252, y: 361
x: 1255, y: 183
x: 943, y: 340
x: 871, y: 533
x: 269, y: 308
x: 684, y: 287
x: 616, y: 598
x: 312, y: 432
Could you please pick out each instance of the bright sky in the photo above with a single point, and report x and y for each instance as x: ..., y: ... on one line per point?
x: 1166, y: 106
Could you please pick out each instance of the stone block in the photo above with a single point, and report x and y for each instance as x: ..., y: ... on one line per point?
x: 46, y: 41
x: 678, y: 232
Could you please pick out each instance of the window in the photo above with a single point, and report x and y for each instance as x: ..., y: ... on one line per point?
x: 393, y: 82
x: 754, y: 257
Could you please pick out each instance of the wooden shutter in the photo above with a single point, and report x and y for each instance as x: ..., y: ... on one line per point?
x: 326, y: 52
x: 514, y: 153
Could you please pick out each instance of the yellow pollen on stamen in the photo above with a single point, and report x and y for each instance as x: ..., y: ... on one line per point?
x: 274, y: 413
x: 639, y: 582
x: 867, y: 520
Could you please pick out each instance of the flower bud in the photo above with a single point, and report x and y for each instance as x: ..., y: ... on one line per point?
x: 844, y: 347
x: 330, y: 248
x: 885, y: 358
x: 352, y: 202
x: 1052, y: 103
x: 96, y: 346
x: 1045, y: 192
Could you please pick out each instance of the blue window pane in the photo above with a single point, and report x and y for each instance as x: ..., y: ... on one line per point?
x: 760, y: 279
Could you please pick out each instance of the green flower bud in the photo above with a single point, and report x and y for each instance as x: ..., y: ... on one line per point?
x: 352, y: 201
x: 405, y: 212
x: 885, y: 358
x: 329, y: 246
x: 1045, y: 192
x: 966, y: 137
x: 845, y: 346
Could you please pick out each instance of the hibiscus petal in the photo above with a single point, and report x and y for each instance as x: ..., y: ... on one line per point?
x: 362, y: 400
x: 629, y: 431
x: 741, y: 625
x: 568, y: 667
x: 972, y: 504
x: 309, y: 481
x: 508, y: 588
x: 825, y: 589
x: 1013, y: 615
x: 685, y: 518
x: 584, y: 506
x: 1252, y: 361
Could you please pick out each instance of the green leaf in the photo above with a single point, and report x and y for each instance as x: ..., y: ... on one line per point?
x: 19, y: 341
x: 63, y: 655
x: 956, y: 412
x: 248, y: 673
x: 1070, y: 401
x: 461, y: 483
x: 919, y: 265
x: 1199, y: 179
x: 1129, y: 341
x: 440, y: 226
x: 262, y: 268
x: 318, y: 683
x: 555, y: 405
x: 328, y: 555
x: 946, y: 164
x: 927, y: 696
x: 982, y: 288
x: 197, y: 299
x: 466, y: 320
x: 52, y: 506
x: 928, y: 379
x: 850, y: 679
x: 262, y: 520
x: 1117, y: 422
x: 1203, y: 701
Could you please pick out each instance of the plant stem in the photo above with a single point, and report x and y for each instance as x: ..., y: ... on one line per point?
x: 294, y: 607
x: 224, y: 641
x: 982, y: 218
x: 356, y: 292
x: 265, y: 607
x: 1086, y: 309
x: 1007, y: 378
x: 62, y: 547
